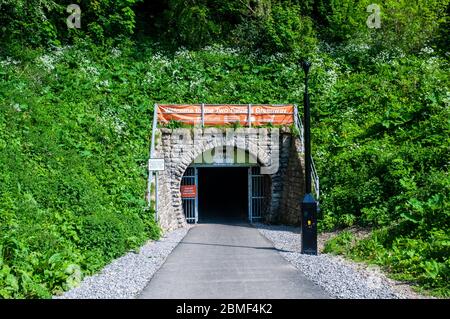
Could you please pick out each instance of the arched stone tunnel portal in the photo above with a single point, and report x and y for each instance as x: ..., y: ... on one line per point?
x: 223, y: 174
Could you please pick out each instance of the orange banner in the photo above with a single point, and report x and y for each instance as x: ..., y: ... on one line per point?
x: 226, y: 114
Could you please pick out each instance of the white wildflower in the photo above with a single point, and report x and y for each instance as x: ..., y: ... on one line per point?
x: 119, y: 125
x: 116, y: 52
x: 219, y: 49
x: 433, y: 60
x: 183, y: 53
x: 446, y: 99
x: 92, y: 70
x: 149, y: 78
x: 85, y: 62
x: 48, y: 61
x: 161, y: 60
x: 332, y: 77
x: 273, y: 58
x: 17, y: 107
x: 59, y: 51
x: 196, y: 83
x: 102, y: 84
x: 427, y: 50
x: 109, y: 119
x: 8, y: 62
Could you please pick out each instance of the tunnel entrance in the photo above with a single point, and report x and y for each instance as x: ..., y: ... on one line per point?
x: 225, y: 193
x: 222, y: 194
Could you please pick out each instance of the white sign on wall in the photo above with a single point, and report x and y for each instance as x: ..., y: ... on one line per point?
x: 156, y: 164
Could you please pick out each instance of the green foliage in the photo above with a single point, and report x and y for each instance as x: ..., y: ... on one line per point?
x: 21, y: 17
x: 382, y: 146
x: 190, y: 25
x: 236, y: 125
x: 175, y: 124
x: 343, y: 18
x: 43, y: 22
x: 339, y: 244
x: 269, y: 25
x: 405, y: 25
x: 424, y: 262
x: 287, y: 31
x: 72, y: 162
x: 410, y: 25
x: 98, y: 231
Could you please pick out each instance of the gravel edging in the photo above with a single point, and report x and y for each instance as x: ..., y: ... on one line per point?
x: 127, y: 276
x: 341, y: 278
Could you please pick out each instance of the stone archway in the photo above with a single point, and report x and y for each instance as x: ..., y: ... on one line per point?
x: 180, y: 147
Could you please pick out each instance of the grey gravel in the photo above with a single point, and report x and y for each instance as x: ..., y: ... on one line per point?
x: 341, y: 278
x: 128, y: 275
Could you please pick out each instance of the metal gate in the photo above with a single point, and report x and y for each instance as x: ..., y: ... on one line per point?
x: 256, y: 192
x: 190, y: 204
x: 256, y: 195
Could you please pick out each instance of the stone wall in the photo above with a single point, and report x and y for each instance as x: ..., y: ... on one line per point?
x: 179, y: 148
x: 294, y: 185
x: 277, y: 179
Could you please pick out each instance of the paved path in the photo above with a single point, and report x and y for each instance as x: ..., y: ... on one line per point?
x: 228, y: 261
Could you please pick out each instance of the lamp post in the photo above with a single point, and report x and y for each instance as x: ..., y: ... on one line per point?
x: 309, y: 205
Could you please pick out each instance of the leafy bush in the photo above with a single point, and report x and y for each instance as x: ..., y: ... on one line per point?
x: 406, y: 26
x: 285, y: 30
x: 39, y: 22
x: 339, y: 244
x: 72, y: 166
x: 190, y: 25
x: 382, y: 154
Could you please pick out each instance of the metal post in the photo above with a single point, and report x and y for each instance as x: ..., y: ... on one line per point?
x: 249, y: 115
x: 155, y: 121
x: 152, y: 151
x: 307, y: 134
x: 149, y: 188
x: 203, y: 114
x: 156, y: 196
x: 309, y: 205
x: 295, y: 116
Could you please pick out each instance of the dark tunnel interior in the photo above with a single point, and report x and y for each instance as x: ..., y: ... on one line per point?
x: 222, y: 194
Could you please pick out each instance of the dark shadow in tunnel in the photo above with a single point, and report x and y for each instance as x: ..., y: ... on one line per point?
x: 222, y: 194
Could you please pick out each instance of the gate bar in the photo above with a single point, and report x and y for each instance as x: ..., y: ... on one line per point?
x: 250, y: 213
x: 196, y: 194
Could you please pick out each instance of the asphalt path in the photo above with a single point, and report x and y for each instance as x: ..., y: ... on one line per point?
x: 228, y: 260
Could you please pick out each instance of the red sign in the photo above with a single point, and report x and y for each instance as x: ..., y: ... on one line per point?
x: 226, y: 114
x: 188, y: 191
